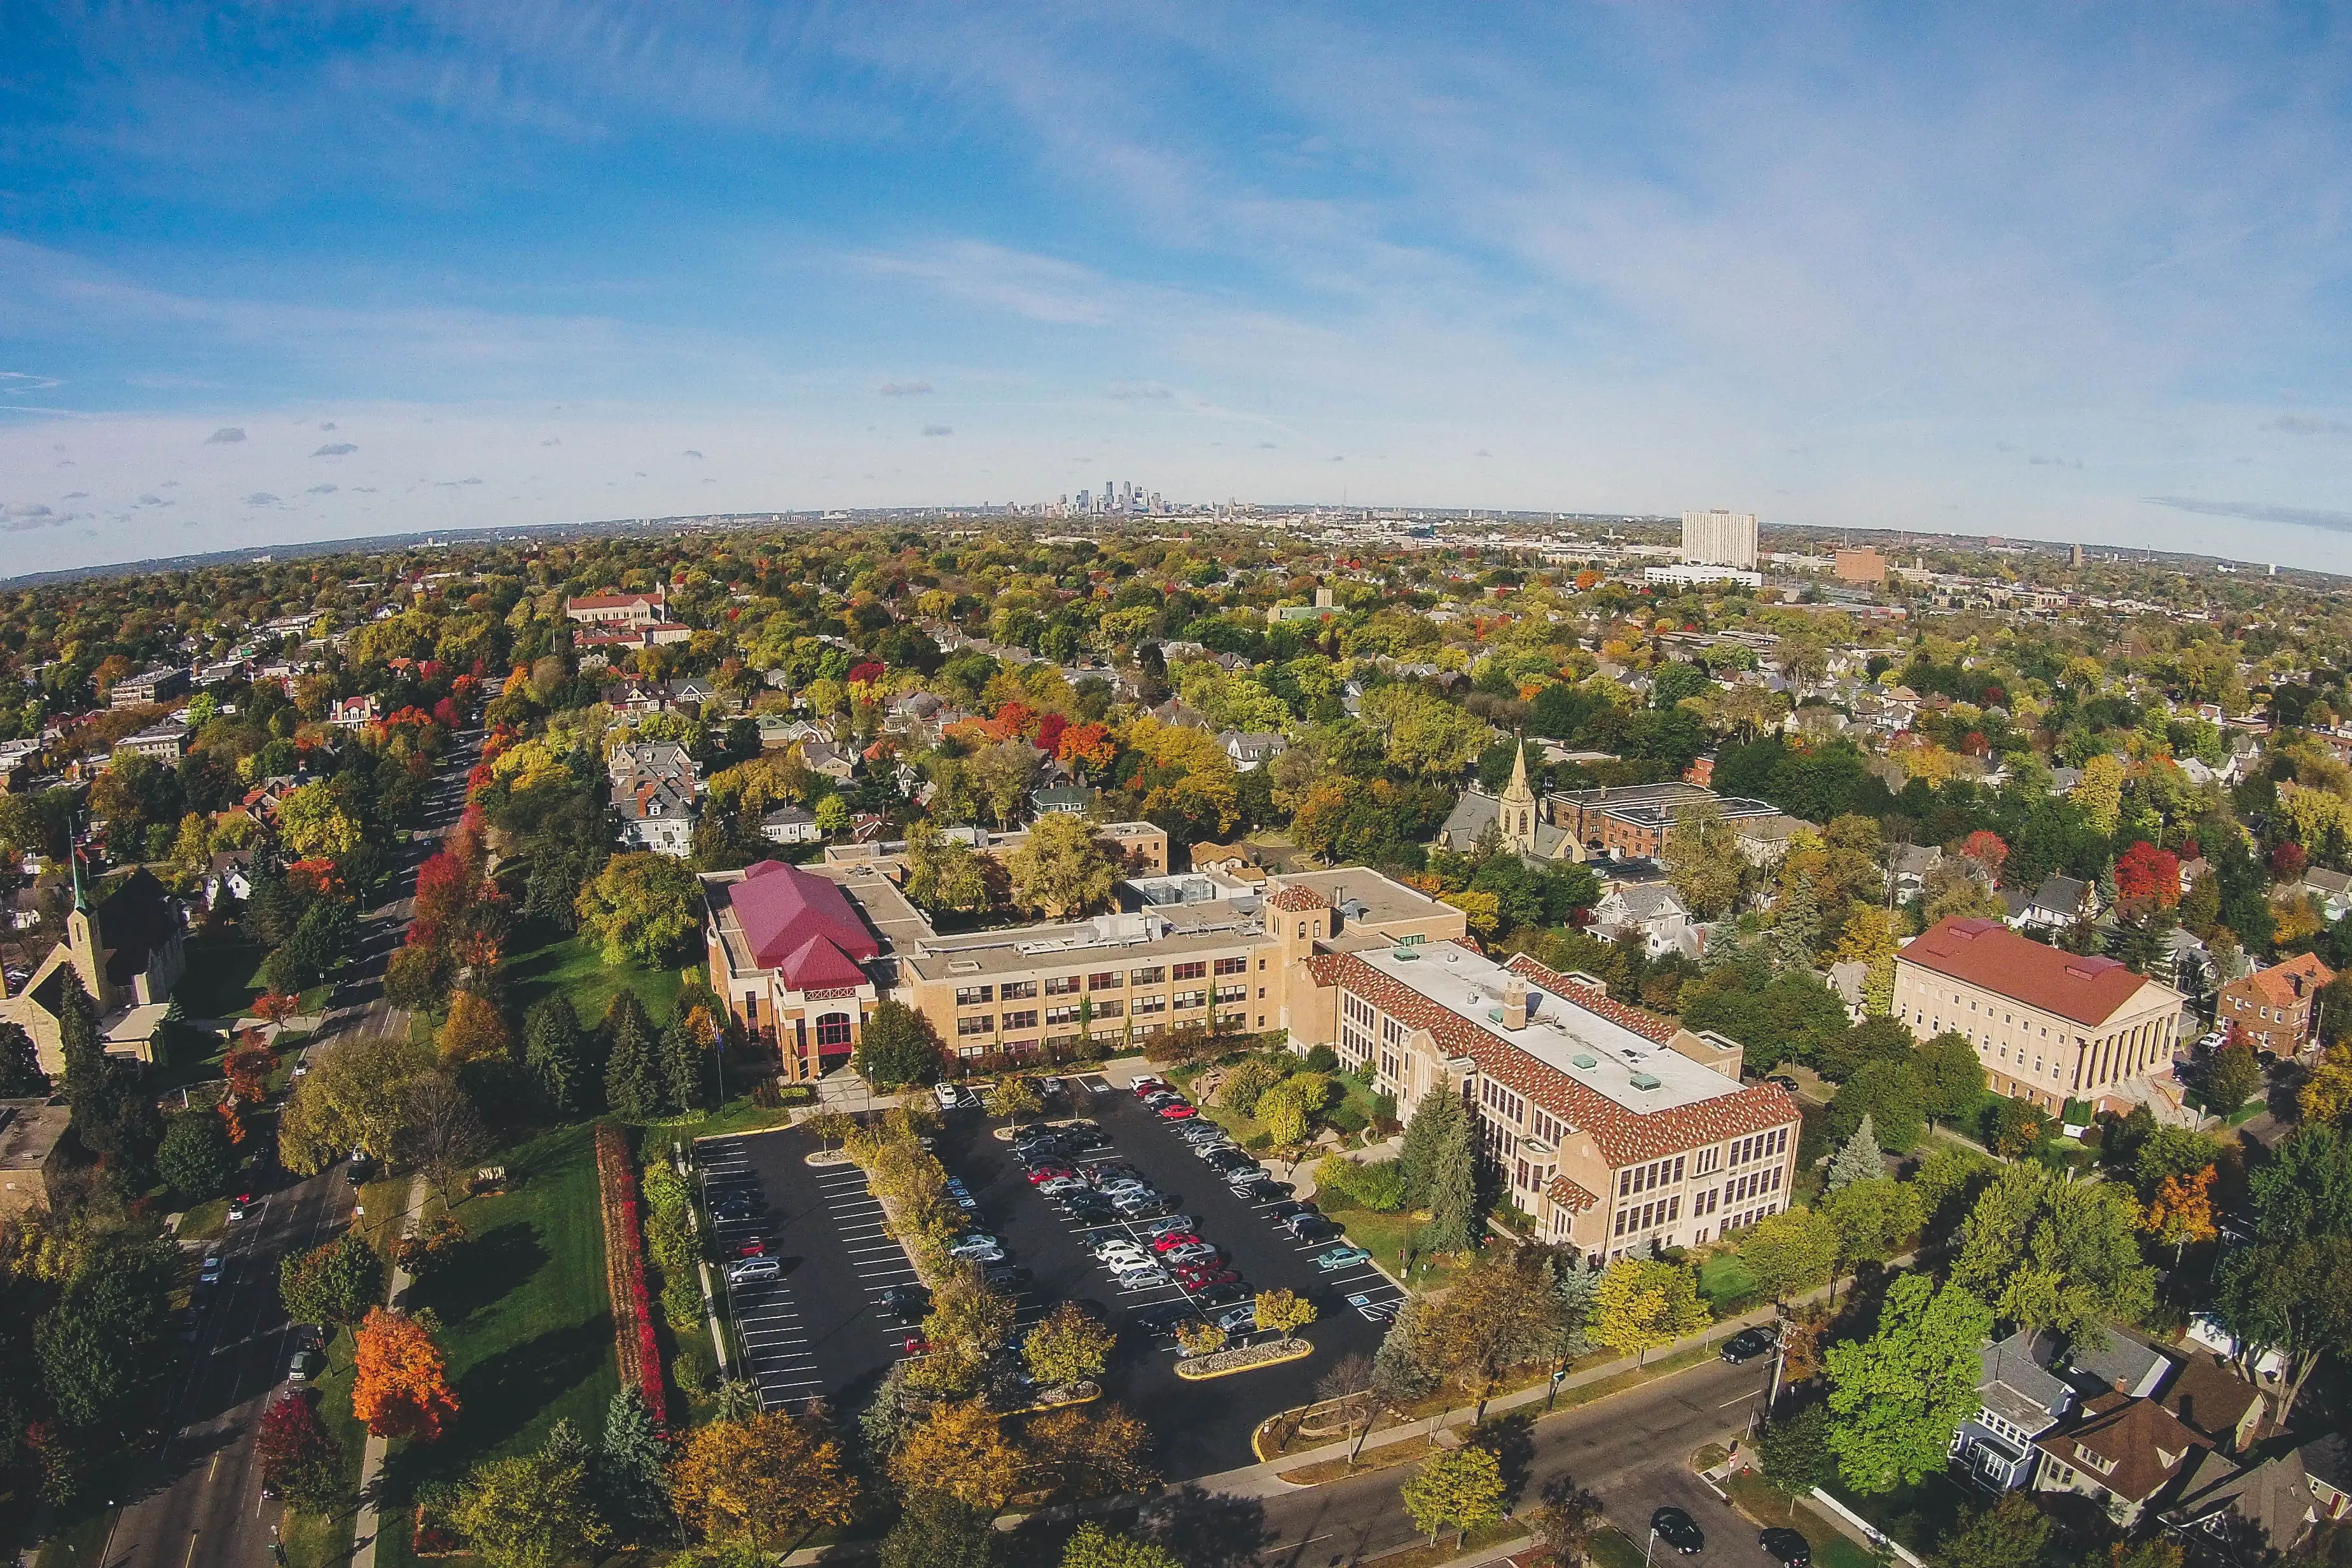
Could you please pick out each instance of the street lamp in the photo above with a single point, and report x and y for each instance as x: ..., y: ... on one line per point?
x: 1646, y: 1545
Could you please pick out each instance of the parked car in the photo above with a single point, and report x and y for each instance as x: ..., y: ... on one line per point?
x: 1170, y: 1225
x: 1144, y: 1206
x: 1086, y: 1135
x: 1202, y: 1277
x: 1240, y: 1176
x: 240, y: 1206
x: 1230, y: 1159
x: 1150, y: 1084
x: 1060, y: 1185
x: 209, y: 1271
x: 910, y: 1304
x: 1190, y: 1253
x: 1786, y: 1546
x: 1120, y: 1247
x: 1224, y: 1295
x: 752, y: 1247
x: 948, y: 1096
x: 1177, y: 1111
x: 1123, y: 1187
x: 305, y: 1363
x: 1045, y: 1171
x: 1166, y: 1318
x: 1168, y: 1242
x: 977, y: 1249
x: 1007, y: 1276
x: 1140, y: 1277
x: 1240, y: 1318
x: 1088, y: 1207
x: 1266, y: 1191
x: 1678, y: 1530
x: 1308, y: 1228
x: 1747, y: 1345
x: 1341, y: 1258
x: 751, y: 1268
x: 1292, y: 1208
x: 1050, y: 1087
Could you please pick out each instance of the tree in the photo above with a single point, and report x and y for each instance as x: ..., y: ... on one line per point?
x: 1090, y: 1451
x: 2057, y: 1254
x: 942, y: 873
x: 312, y: 825
x: 1897, y: 1397
x: 1702, y: 857
x: 634, y: 1084
x: 899, y: 1047
x: 20, y: 1064
x: 1564, y: 1524
x: 1951, y: 1078
x: 1890, y: 1095
x: 1505, y: 1313
x: 1196, y: 1337
x: 1068, y: 1346
x: 195, y: 1159
x: 441, y: 1133
x: 642, y: 907
x: 299, y: 1458
x: 1282, y: 1313
x: 1795, y: 1454
x: 1642, y: 1303
x: 531, y: 1510
x: 1871, y: 1217
x: 2292, y: 1295
x: 1459, y: 1489
x: 338, y: 1283
x: 2182, y: 1210
x: 1013, y: 1098
x: 474, y: 1031
x: 1437, y: 1150
x: 681, y: 1061
x: 2305, y: 1188
x: 1792, y: 1252
x: 2012, y: 1533
x: 1858, y: 1158
x: 356, y: 1096
x: 1093, y: 1546
x: 1061, y: 870
x: 2231, y: 1077
x: 937, y: 1531
x: 400, y: 1384
x: 629, y: 1473
x: 113, y: 1119
x: 555, y: 1056
x: 766, y: 1479
x: 99, y: 1351
x: 960, y: 1449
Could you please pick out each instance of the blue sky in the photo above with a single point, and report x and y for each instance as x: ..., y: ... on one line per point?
x: 274, y: 272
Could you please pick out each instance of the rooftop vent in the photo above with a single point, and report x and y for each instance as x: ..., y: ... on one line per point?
x: 1405, y: 954
x: 1581, y: 1059
x: 1645, y: 1081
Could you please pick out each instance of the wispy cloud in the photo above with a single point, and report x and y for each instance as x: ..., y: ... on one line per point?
x: 335, y: 449
x: 228, y: 434
x: 904, y: 389
x: 2303, y: 425
x: 2259, y: 512
x: 938, y: 429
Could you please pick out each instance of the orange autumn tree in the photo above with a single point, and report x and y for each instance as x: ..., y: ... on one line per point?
x: 2182, y: 1210
x: 400, y: 1384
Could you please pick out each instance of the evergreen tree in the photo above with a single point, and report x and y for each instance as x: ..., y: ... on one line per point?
x: 555, y: 1058
x: 629, y: 1467
x: 20, y: 1064
x: 1439, y: 1124
x: 633, y: 1075
x: 1857, y: 1158
x: 1796, y: 928
x: 938, y: 1531
x: 681, y: 1065
x: 110, y: 1116
x: 1453, y: 1195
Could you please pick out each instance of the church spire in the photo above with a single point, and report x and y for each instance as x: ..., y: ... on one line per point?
x: 1516, y: 809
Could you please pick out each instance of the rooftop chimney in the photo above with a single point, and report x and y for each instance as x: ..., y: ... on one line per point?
x: 1514, y: 1003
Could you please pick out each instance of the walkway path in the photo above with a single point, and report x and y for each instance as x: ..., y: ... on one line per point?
x: 364, y: 1525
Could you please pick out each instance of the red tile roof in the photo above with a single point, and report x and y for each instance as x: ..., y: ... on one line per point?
x: 1623, y: 1136
x: 614, y: 601
x: 1988, y: 954
x: 1570, y: 1197
x: 1296, y: 899
x: 2277, y: 983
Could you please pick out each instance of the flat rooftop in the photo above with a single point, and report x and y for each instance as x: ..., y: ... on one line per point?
x: 1174, y: 931
x: 1379, y: 899
x: 1629, y: 1069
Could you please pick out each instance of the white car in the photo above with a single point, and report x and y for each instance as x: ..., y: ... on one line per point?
x: 978, y: 1248
x: 947, y: 1097
x: 1055, y: 1187
x: 1118, y: 1246
x: 1124, y: 1186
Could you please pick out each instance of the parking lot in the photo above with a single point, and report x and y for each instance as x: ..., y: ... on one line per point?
x: 819, y: 1328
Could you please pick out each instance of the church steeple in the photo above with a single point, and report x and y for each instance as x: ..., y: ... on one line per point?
x: 1516, y: 809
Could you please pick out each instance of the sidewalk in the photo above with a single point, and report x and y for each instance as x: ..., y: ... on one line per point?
x: 363, y: 1524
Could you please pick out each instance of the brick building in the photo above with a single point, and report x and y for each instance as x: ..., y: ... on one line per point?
x: 2276, y: 1008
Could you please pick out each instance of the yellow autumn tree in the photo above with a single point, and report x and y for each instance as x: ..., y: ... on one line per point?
x: 960, y: 1449
x: 766, y: 1479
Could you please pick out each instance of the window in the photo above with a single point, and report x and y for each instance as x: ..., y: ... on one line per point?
x: 1192, y: 971
x: 1062, y: 986
x: 1066, y: 1013
x: 974, y: 995
x: 1231, y: 965
x: 1021, y: 1021
x: 1151, y: 1004
x: 1186, y: 1000
x: 832, y: 1029
x: 1014, y: 991
x: 1107, y: 1010
x: 1151, y: 976
x: 981, y: 1024
x: 1107, y: 981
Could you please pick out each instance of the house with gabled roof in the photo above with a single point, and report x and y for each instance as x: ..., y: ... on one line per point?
x: 2119, y: 1451
x: 2020, y: 1399
x: 2275, y: 1009
x: 126, y: 954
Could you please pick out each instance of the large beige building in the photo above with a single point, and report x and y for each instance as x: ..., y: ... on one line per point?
x: 1717, y: 538
x: 2048, y: 1025
x: 1616, y: 1130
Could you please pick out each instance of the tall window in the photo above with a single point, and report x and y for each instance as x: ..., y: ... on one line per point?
x: 833, y: 1029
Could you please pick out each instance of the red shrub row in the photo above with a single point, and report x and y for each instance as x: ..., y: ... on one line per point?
x: 633, y: 1343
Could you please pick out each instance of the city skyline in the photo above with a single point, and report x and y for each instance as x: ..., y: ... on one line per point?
x: 272, y: 278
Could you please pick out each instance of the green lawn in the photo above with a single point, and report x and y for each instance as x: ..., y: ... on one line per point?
x: 575, y: 966
x: 1727, y: 1284
x: 1832, y: 1548
x: 526, y: 1324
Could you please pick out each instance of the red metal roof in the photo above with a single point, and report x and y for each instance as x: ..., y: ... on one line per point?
x: 802, y: 925
x: 1988, y: 954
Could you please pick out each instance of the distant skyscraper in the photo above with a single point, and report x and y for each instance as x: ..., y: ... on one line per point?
x: 1719, y: 538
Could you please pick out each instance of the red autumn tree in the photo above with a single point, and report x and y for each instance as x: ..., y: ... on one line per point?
x: 2288, y: 863
x: 1086, y: 748
x: 1049, y: 733
x: 1988, y: 850
x: 400, y: 1384
x: 2147, y: 879
x: 248, y: 1068
x: 300, y: 1457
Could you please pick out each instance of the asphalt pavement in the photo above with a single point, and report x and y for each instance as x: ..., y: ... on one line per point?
x: 203, y: 1503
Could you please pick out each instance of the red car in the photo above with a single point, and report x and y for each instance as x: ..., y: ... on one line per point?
x: 1173, y: 1240
x: 918, y: 1345
x: 1178, y: 1111
x: 1149, y: 1085
x: 754, y: 1248
x: 1201, y: 1278
x: 1040, y: 1175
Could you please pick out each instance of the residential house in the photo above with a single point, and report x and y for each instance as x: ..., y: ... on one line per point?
x: 2119, y: 1452
x: 2248, y: 1514
x: 665, y: 760
x: 655, y: 814
x: 1655, y: 911
x: 2055, y: 905
x: 693, y: 689
x: 790, y: 824
x: 833, y: 764
x: 2123, y: 1365
x: 2276, y: 1009
x: 2020, y: 1400
x: 1911, y: 864
x: 1252, y: 751
x: 1225, y: 859
x: 228, y: 878
x: 17, y: 759
x: 2213, y: 1400
x: 350, y: 713
x: 2049, y: 1025
x: 2332, y: 888
x: 1067, y: 799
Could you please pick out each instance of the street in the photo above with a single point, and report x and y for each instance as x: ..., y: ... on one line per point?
x: 1632, y: 1449
x: 204, y: 1502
